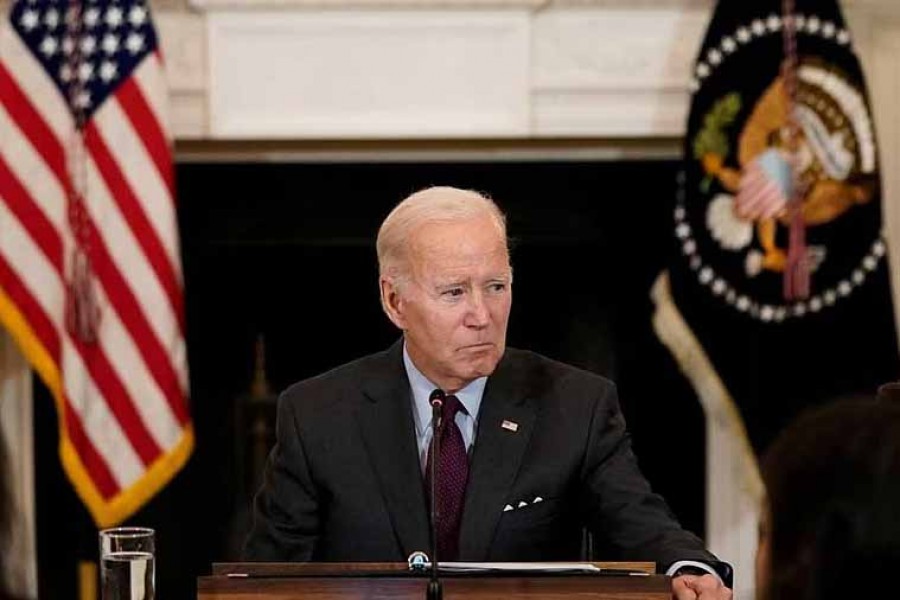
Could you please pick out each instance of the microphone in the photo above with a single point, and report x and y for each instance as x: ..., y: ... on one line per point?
x: 417, y: 561
x: 437, y: 397
x: 436, y: 400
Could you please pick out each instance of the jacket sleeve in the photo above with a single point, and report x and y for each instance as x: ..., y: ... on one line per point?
x: 621, y: 509
x: 285, y: 513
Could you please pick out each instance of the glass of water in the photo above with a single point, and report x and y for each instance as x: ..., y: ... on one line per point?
x: 127, y: 569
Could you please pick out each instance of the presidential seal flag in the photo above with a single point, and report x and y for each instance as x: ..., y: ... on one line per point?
x: 90, y: 274
x: 777, y: 297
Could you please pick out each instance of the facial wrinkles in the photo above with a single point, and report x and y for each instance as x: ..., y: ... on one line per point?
x: 458, y: 263
x: 444, y: 330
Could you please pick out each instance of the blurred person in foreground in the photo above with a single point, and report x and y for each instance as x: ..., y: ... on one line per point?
x: 532, y: 451
x: 831, y: 527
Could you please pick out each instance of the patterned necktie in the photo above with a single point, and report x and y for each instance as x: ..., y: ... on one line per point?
x: 453, y: 473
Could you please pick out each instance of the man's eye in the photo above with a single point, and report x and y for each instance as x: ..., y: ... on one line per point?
x: 452, y: 292
x: 497, y: 287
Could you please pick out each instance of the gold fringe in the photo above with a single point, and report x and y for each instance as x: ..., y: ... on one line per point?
x: 87, y: 580
x: 106, y: 513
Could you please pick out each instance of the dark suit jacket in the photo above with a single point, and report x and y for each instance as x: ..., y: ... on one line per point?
x: 344, y: 482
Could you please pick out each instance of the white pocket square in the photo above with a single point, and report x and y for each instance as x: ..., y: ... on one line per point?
x: 522, y: 504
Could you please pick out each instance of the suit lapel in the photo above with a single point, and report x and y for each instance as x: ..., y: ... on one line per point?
x: 496, y: 458
x: 386, y: 422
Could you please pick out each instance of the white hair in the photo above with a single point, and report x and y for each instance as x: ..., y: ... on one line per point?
x: 430, y: 205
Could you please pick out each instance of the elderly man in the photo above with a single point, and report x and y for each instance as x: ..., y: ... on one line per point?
x: 531, y: 450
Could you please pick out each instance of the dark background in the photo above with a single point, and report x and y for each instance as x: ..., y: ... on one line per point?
x: 287, y: 251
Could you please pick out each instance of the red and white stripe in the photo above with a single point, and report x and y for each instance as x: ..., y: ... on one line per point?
x: 125, y: 397
x: 758, y: 197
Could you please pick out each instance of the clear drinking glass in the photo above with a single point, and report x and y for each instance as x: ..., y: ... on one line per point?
x: 127, y: 564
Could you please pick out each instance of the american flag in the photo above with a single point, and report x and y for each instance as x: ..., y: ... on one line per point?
x: 87, y: 221
x: 765, y: 187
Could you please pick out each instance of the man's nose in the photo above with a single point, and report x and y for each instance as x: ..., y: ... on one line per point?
x: 478, y: 315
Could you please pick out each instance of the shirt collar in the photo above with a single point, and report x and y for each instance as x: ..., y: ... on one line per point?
x: 470, y: 396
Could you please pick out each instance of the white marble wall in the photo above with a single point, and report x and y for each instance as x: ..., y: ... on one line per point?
x: 387, y: 69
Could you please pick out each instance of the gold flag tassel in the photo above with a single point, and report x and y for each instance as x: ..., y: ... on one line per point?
x: 82, y: 307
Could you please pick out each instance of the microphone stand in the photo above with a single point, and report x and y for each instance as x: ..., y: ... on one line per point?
x: 435, y: 589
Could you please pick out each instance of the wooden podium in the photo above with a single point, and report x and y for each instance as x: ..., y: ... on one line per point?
x: 394, y: 581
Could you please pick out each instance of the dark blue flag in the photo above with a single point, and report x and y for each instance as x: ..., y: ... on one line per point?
x: 750, y: 144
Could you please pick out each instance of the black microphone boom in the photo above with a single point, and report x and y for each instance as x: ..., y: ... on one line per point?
x: 435, y: 590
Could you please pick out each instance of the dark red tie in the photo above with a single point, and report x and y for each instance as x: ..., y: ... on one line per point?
x: 453, y: 473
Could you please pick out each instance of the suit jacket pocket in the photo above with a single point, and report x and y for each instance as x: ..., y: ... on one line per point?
x: 542, y: 531
x: 534, y: 515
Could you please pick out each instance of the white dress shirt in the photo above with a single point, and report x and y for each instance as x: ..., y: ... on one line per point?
x: 421, y: 387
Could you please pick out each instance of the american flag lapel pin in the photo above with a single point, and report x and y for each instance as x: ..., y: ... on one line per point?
x: 510, y: 426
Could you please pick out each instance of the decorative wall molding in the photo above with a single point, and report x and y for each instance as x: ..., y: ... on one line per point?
x: 250, y: 5
x: 613, y: 72
x: 183, y: 39
x: 368, y: 74
x: 880, y: 5
x: 412, y: 69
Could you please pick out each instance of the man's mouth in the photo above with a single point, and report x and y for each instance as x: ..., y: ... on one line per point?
x: 478, y: 346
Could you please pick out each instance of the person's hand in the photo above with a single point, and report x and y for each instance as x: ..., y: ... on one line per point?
x: 699, y: 587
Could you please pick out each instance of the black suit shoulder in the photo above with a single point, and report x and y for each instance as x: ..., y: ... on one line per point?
x: 327, y: 391
x: 550, y: 368
x: 545, y: 377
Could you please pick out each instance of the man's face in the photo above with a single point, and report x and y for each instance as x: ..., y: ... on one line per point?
x: 455, y: 303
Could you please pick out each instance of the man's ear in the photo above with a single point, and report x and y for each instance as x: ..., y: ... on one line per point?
x: 392, y: 301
